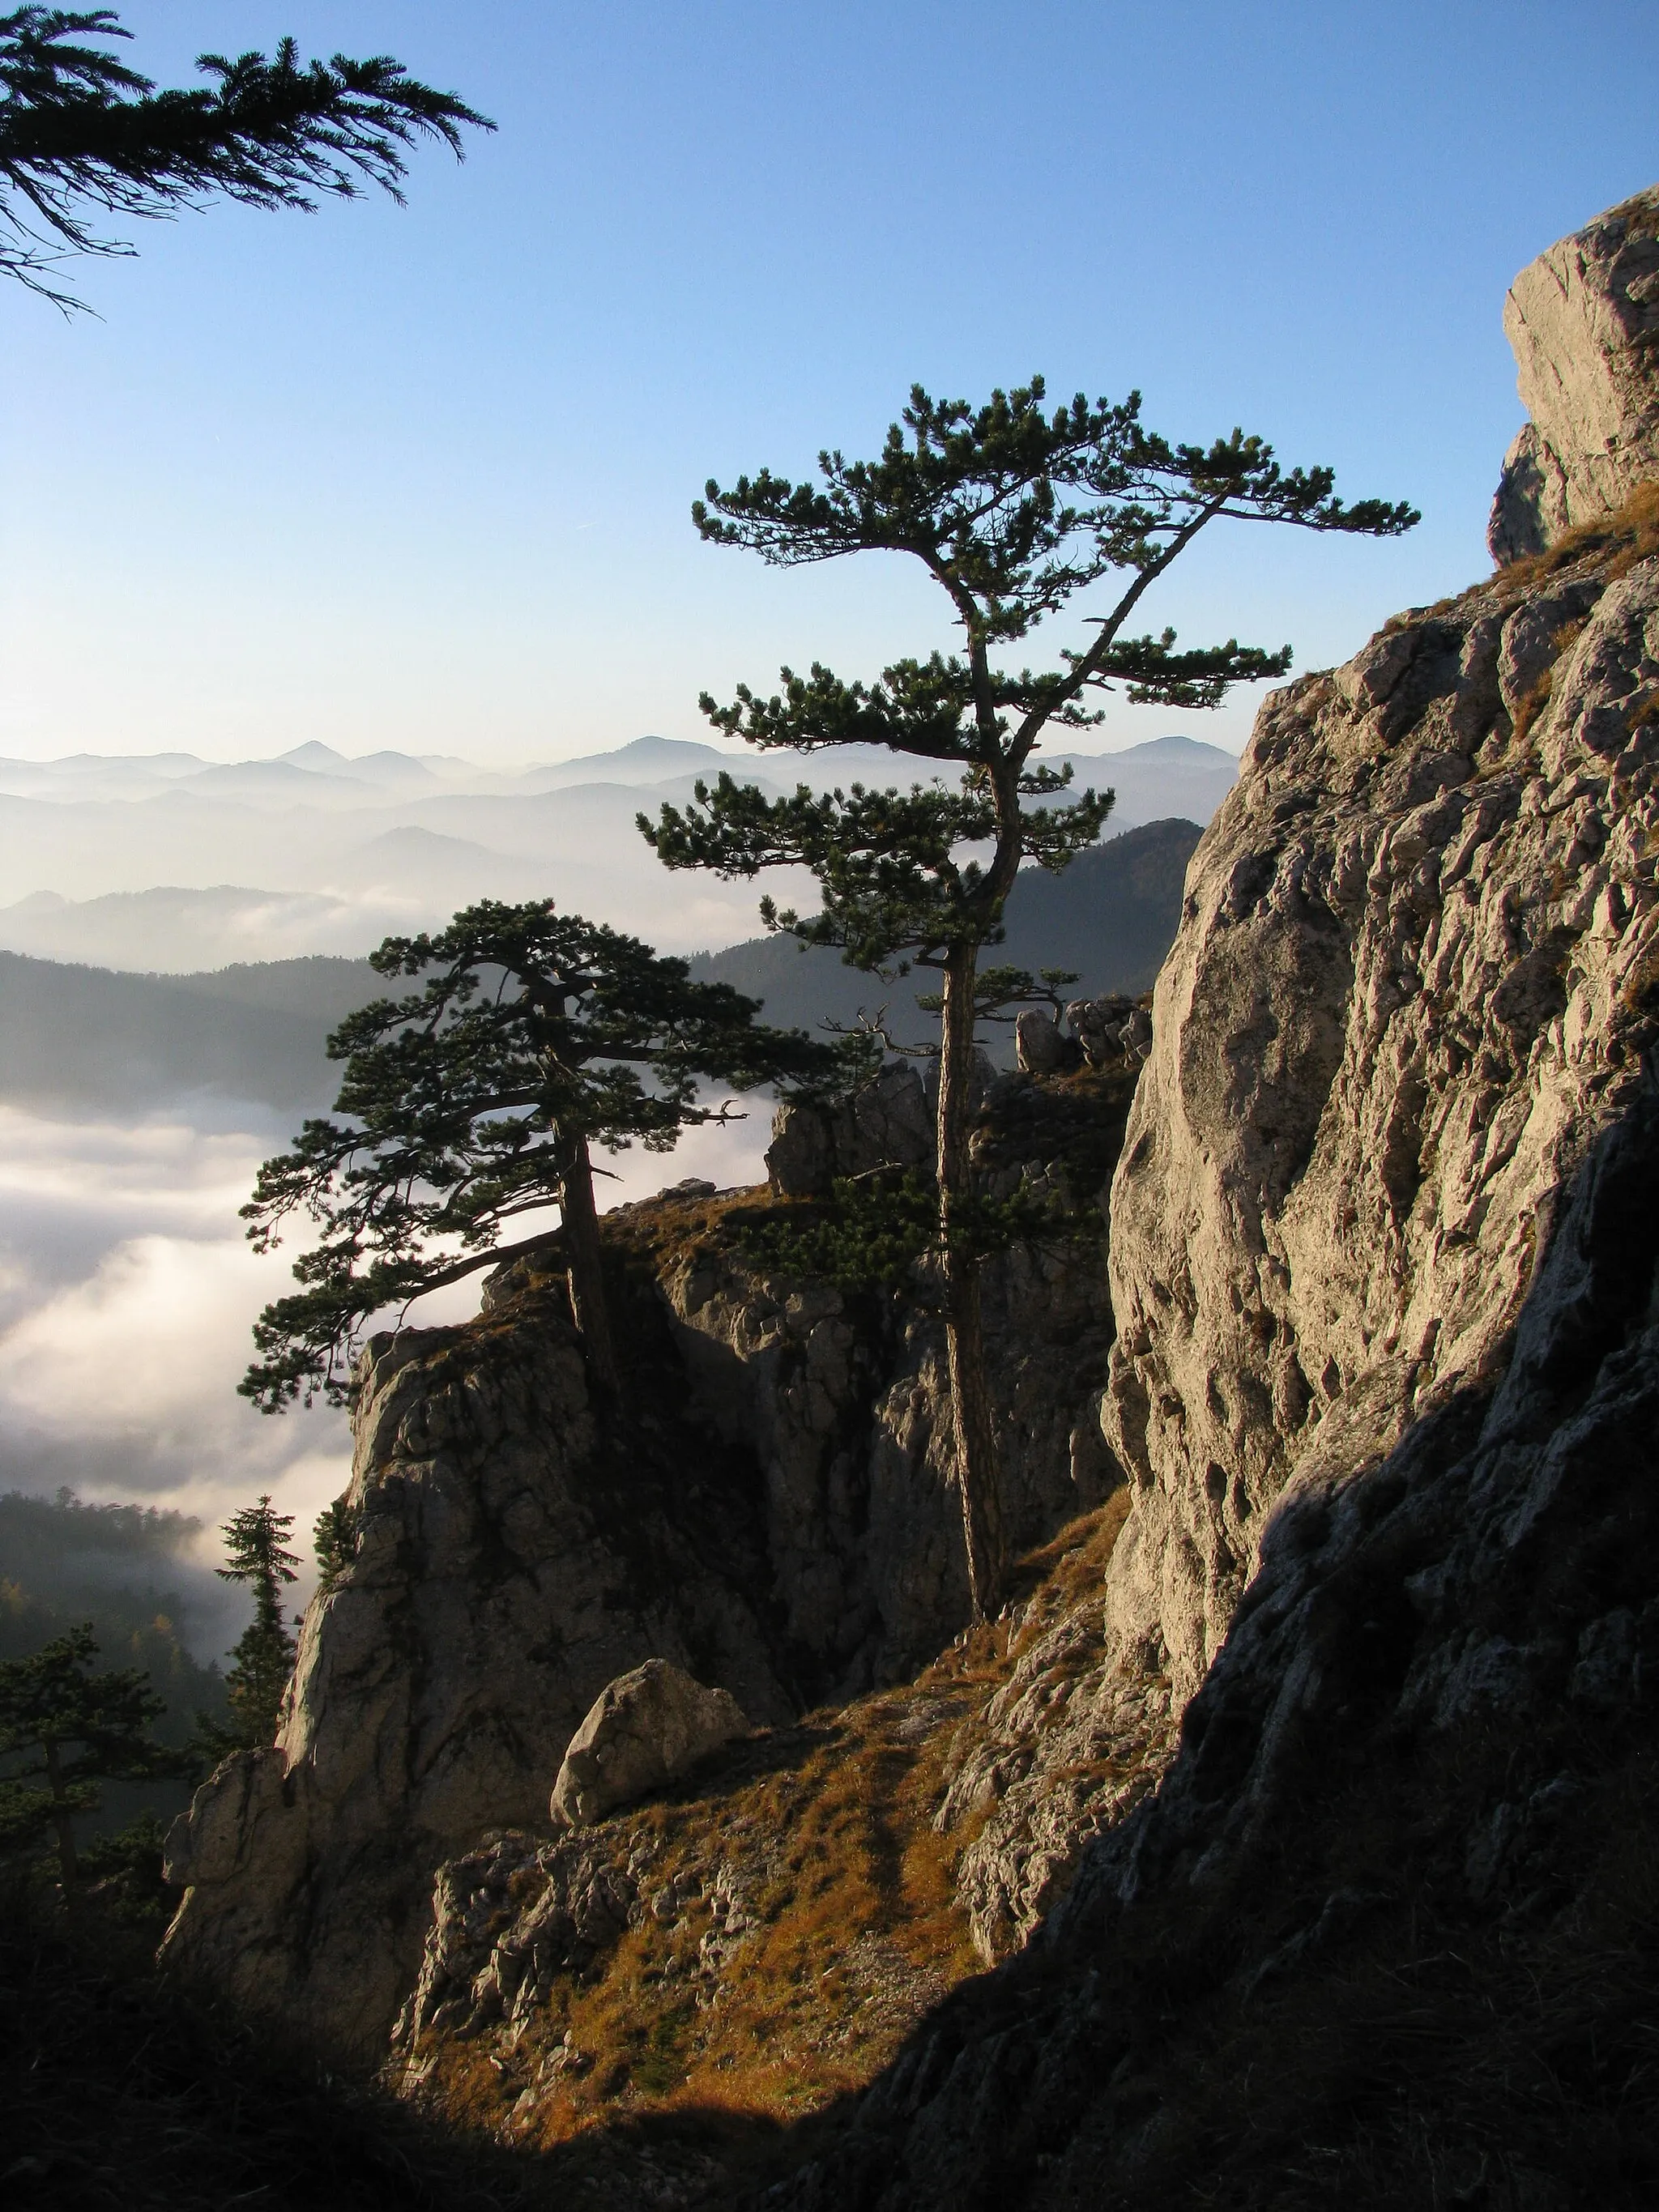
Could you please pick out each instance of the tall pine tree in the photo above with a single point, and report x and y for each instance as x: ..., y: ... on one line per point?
x: 1013, y: 512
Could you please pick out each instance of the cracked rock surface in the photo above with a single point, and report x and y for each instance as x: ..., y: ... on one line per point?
x: 1582, y: 320
x: 1411, y: 988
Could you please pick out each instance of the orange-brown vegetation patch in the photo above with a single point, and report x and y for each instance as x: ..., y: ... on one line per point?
x: 799, y: 1916
x: 1610, y: 546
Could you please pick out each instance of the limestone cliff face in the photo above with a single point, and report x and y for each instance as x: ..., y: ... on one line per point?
x: 1407, y: 994
x: 842, y: 1401
x: 1584, y: 320
x: 507, y: 1566
x: 1410, y: 990
x: 1379, y: 1392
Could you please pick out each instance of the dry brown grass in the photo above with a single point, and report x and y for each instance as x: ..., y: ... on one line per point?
x: 1613, y: 544
x: 828, y: 1829
x: 1610, y: 546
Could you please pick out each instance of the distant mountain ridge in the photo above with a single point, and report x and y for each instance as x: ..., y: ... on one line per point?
x: 1111, y: 918
x: 316, y: 772
x: 167, y: 863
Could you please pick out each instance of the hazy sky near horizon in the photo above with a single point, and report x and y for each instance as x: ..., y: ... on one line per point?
x: 419, y: 477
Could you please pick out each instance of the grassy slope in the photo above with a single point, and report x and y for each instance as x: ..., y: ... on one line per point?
x: 828, y: 1828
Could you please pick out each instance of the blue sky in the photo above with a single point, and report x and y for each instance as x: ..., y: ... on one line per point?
x: 420, y: 477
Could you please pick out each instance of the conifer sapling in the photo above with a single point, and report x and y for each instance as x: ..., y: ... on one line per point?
x: 256, y: 1554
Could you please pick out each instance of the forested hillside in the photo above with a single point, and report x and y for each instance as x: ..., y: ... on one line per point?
x: 135, y: 1574
x: 89, y: 1040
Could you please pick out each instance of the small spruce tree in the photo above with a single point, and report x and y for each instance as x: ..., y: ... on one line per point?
x: 333, y: 1541
x: 65, y: 1729
x: 256, y: 1554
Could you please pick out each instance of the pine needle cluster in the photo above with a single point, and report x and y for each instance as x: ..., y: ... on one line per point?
x: 82, y: 133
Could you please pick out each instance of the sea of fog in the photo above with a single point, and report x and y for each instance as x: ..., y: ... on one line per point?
x: 127, y: 1293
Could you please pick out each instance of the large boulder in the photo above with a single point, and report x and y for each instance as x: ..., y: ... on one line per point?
x: 1582, y: 320
x: 646, y: 1728
x: 1041, y: 1046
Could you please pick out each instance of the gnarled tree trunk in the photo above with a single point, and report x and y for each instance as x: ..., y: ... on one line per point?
x: 581, y: 1243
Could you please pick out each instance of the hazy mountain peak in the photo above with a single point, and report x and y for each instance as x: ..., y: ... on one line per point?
x: 314, y: 753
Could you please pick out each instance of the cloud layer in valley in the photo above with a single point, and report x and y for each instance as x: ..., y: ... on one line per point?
x: 127, y: 1291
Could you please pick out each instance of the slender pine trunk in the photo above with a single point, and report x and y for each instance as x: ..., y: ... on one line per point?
x: 979, y: 1480
x: 582, y: 1239
x: 63, y: 1821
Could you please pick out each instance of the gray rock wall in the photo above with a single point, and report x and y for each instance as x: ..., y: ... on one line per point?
x: 843, y: 1401
x: 1582, y: 320
x: 1383, y: 1255
x: 1399, y: 1010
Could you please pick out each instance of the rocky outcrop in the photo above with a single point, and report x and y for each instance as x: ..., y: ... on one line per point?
x: 1113, y: 1031
x: 510, y: 1563
x: 1409, y: 992
x: 646, y: 1728
x: 772, y: 1513
x: 1583, y: 322
x: 841, y: 1399
x: 488, y: 1956
x: 887, y: 1123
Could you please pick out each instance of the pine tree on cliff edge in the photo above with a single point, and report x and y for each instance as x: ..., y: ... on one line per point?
x: 1013, y: 512
x: 473, y: 1102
